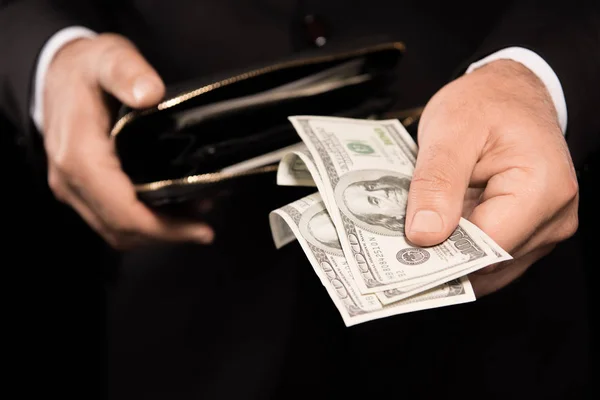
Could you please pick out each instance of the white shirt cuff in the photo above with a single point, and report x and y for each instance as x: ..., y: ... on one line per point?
x: 538, y: 66
x: 52, y: 46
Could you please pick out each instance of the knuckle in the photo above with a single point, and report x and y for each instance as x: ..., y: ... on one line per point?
x: 571, y: 189
x: 115, y: 56
x: 113, y: 59
x: 53, y: 181
x: 61, y: 156
x: 69, y: 157
x: 565, y: 193
x: 62, y: 161
x: 568, y: 228
x: 439, y: 171
x: 56, y: 185
x: 67, y: 163
x: 436, y: 181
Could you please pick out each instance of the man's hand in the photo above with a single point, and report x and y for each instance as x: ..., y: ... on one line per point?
x: 495, y: 129
x: 83, y: 169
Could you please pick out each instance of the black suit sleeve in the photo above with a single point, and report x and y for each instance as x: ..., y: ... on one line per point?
x: 567, y: 36
x: 25, y: 26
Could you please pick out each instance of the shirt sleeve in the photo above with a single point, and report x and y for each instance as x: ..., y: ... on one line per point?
x: 52, y: 46
x: 539, y: 67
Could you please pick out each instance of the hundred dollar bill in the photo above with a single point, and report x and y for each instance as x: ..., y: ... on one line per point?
x: 262, y: 160
x: 307, y: 221
x: 365, y: 168
x: 298, y: 168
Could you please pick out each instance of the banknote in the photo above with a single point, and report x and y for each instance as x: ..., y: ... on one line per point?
x: 262, y: 160
x: 364, y: 168
x: 297, y: 168
x: 308, y: 221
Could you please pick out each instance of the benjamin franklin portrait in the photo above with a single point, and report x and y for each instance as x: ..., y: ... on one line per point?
x: 318, y: 229
x: 377, y: 204
x: 322, y: 229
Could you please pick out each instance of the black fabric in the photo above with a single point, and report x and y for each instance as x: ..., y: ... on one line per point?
x: 54, y: 274
x: 24, y: 28
x: 242, y: 320
x: 565, y: 37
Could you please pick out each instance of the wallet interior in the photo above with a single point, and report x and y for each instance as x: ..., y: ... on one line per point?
x: 197, y: 137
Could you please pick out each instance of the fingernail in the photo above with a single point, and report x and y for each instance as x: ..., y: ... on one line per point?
x: 427, y: 221
x: 144, y: 86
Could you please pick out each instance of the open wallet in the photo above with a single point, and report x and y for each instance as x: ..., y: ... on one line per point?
x: 235, y: 126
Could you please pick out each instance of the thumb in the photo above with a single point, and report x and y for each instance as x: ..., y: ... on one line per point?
x: 123, y: 72
x: 438, y: 187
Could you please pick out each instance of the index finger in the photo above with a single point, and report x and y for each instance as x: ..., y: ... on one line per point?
x: 510, y: 211
x: 101, y: 183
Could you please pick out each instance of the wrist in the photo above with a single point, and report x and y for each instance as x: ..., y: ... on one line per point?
x: 504, y: 71
x: 47, y: 54
x: 537, y: 65
x: 517, y: 82
x: 70, y: 53
x: 513, y: 83
x: 65, y: 72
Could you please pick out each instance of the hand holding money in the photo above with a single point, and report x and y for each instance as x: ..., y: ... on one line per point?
x: 363, y: 170
x: 307, y: 221
x: 495, y: 129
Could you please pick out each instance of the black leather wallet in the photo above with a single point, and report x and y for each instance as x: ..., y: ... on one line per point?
x: 232, y: 127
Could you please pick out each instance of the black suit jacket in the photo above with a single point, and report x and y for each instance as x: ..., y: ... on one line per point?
x: 240, y: 320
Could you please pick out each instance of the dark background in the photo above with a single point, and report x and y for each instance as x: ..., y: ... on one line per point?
x: 54, y: 312
x: 55, y: 293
